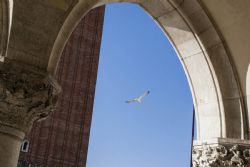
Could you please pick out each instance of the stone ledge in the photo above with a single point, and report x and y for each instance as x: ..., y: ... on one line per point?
x: 226, y: 141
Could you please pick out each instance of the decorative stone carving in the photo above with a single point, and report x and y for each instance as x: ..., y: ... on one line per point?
x: 26, y: 95
x: 221, y: 156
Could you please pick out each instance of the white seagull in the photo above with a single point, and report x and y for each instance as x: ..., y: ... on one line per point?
x: 140, y: 98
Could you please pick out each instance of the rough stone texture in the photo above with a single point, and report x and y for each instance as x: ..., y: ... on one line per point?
x: 221, y: 153
x: 25, y: 96
x: 62, y: 139
x: 34, y: 28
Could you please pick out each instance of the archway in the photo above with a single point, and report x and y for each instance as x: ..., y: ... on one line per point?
x: 216, y: 93
x: 40, y: 30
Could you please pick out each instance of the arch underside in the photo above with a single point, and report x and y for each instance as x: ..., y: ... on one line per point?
x: 5, y: 22
x: 38, y: 37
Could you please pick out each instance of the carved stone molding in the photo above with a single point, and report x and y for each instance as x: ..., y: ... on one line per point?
x: 26, y: 95
x: 222, y: 153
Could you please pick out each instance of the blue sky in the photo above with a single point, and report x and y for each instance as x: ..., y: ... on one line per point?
x: 136, y: 56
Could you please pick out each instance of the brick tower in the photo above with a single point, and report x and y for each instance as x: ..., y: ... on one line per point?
x: 62, y: 139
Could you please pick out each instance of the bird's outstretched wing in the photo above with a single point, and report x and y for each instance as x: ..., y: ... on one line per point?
x: 132, y: 100
x: 139, y: 99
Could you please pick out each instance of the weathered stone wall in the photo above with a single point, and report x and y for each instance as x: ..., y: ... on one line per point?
x: 62, y: 139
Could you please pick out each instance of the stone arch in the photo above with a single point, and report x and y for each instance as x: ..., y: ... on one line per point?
x: 215, y: 89
x: 5, y: 22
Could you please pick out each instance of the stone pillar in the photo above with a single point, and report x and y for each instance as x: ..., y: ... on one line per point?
x: 10, y: 142
x: 26, y: 95
x: 221, y: 152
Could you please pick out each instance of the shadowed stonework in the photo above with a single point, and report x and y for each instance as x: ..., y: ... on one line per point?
x: 62, y: 139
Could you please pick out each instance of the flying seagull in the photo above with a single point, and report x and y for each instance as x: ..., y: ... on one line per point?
x: 140, y: 98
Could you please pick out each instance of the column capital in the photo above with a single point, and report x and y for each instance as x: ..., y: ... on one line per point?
x: 26, y: 95
x: 221, y: 152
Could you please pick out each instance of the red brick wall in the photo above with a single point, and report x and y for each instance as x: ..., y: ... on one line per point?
x: 62, y: 139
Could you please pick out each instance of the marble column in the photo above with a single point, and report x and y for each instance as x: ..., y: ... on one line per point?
x: 221, y: 152
x: 26, y: 95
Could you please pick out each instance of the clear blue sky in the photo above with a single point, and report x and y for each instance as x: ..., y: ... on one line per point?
x: 136, y: 56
